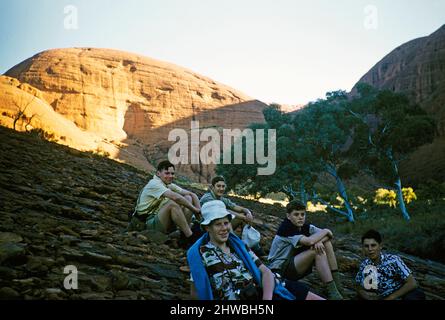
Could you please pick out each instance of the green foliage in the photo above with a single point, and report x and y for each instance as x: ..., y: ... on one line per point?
x: 101, y: 153
x: 389, y: 128
x: 423, y: 236
x: 341, y: 136
x: 431, y: 190
x: 42, y: 134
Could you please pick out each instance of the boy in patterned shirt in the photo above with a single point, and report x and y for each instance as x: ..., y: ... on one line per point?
x: 384, y: 276
x: 222, y: 266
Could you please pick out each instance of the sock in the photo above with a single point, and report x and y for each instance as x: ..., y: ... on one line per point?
x: 333, y: 293
x: 336, y: 277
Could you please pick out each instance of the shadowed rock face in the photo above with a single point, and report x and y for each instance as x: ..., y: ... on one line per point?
x: 128, y: 103
x: 417, y: 69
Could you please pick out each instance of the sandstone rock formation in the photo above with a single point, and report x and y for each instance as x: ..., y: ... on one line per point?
x: 121, y: 103
x: 417, y: 69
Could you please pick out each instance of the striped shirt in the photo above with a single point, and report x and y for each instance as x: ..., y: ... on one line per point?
x: 392, y: 273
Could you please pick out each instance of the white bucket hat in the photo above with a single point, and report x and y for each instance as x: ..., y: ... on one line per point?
x: 212, y: 210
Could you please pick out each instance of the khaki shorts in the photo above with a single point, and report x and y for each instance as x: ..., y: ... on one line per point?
x: 153, y: 223
x: 288, y: 270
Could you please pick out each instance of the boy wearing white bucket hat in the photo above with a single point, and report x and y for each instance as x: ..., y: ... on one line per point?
x: 224, y: 268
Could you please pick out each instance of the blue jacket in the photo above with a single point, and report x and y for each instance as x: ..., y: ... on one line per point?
x: 201, y: 279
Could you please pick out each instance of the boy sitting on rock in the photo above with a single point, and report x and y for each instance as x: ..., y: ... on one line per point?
x: 297, y: 246
x: 384, y: 276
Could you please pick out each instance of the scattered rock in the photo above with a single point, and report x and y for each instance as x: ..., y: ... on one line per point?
x: 10, y: 237
x: 120, y: 280
x: 12, y: 253
x: 153, y: 236
x: 8, y: 293
x: 36, y: 246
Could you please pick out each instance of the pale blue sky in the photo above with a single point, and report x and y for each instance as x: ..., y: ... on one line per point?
x: 285, y: 51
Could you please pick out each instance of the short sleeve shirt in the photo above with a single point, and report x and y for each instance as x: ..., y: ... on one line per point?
x: 390, y: 274
x: 151, y: 198
x: 227, y: 272
x: 210, y: 196
x: 283, y: 246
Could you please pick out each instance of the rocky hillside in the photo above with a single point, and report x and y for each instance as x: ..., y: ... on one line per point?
x: 417, y: 69
x: 120, y: 103
x: 63, y: 207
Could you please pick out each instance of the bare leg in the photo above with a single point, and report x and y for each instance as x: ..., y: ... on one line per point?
x: 331, y: 255
x: 304, y: 260
x: 313, y: 296
x: 172, y: 213
x: 187, y: 213
x: 322, y: 266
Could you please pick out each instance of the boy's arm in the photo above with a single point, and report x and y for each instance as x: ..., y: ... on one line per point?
x: 179, y: 199
x: 366, y: 295
x: 195, y: 198
x: 248, y: 216
x: 193, y: 294
x: 316, y: 237
x: 409, y: 285
x: 267, y: 281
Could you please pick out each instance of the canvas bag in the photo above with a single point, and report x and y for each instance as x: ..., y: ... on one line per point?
x: 250, y: 236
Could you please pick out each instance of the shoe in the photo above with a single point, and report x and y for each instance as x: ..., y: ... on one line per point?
x: 186, y: 242
x: 337, y: 281
x: 197, y: 231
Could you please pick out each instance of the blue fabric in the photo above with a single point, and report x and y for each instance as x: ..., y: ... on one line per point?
x: 201, y: 279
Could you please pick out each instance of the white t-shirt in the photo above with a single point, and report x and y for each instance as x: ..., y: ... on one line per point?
x: 151, y: 198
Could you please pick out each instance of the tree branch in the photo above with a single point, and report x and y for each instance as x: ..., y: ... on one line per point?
x: 317, y: 198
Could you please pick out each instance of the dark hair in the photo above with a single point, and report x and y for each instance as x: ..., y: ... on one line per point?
x: 295, y: 205
x: 217, y: 179
x: 372, y: 234
x: 165, y: 164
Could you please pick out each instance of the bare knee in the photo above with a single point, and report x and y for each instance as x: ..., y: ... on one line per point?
x: 173, y: 207
x: 308, y: 255
x: 321, y: 255
x: 312, y: 253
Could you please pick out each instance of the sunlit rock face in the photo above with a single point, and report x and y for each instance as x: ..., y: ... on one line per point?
x: 121, y: 103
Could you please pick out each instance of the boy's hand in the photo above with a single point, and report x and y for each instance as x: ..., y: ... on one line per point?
x: 372, y: 296
x: 249, y: 216
x: 319, y: 247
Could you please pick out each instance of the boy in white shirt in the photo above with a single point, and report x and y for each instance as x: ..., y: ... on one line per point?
x: 163, y: 206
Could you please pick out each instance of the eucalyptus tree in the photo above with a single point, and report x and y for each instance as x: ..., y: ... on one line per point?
x: 390, y: 128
